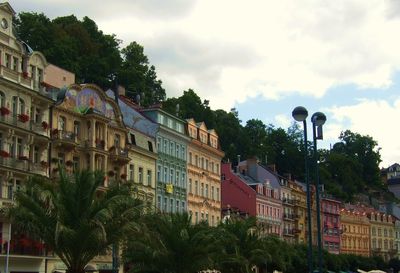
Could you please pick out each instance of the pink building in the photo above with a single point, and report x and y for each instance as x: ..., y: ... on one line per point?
x: 330, y: 223
x: 236, y: 195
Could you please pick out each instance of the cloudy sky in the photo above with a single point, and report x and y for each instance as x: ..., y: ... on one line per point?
x: 266, y: 57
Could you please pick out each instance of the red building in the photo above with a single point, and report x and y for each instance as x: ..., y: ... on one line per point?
x: 236, y: 195
x: 330, y: 212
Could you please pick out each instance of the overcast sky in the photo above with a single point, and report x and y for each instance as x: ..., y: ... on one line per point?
x: 263, y: 57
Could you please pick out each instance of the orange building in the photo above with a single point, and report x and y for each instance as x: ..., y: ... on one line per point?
x: 355, y: 232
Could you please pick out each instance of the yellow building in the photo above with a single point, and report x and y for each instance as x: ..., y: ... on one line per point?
x: 300, y: 212
x: 204, y: 161
x: 382, y: 235
x: 88, y: 133
x: 141, y: 170
x: 355, y: 237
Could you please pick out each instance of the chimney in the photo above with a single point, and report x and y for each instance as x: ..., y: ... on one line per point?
x: 121, y: 90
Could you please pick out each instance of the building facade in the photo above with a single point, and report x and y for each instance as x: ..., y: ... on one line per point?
x: 88, y: 133
x: 142, y: 150
x: 300, y: 212
x: 355, y: 235
x: 171, y: 177
x: 382, y: 235
x: 24, y: 136
x: 236, y: 196
x: 204, y: 177
x: 330, y: 223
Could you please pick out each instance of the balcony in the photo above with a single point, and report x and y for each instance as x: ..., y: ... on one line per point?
x: 288, y: 232
x: 20, y: 121
x: 287, y: 201
x: 40, y: 128
x: 38, y: 168
x: 26, y: 247
x: 119, y: 155
x: 64, y: 139
x: 288, y: 216
x: 14, y: 163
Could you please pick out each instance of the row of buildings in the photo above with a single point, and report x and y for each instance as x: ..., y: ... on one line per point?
x: 279, y: 204
x: 175, y: 165
x: 48, y: 121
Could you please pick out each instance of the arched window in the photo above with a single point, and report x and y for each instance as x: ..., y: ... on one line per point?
x: 2, y: 99
x: 61, y: 123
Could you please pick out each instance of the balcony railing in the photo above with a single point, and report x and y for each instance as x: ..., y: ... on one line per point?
x: 25, y: 247
x: 23, y: 164
x: 16, y: 121
x: 288, y: 216
x: 288, y: 201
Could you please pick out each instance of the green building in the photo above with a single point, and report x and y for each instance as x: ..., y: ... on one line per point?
x: 171, y: 165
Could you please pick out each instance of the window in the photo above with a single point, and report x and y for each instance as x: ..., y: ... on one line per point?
x: 190, y: 157
x: 202, y: 163
x: 196, y: 160
x: 190, y: 185
x: 207, y: 164
x: 133, y: 139
x: 183, y: 180
x: 183, y: 206
x: 77, y: 129
x: 178, y: 150
x: 150, y: 145
x: 159, y: 202
x: 140, y: 175
x: 165, y: 146
x: 75, y: 162
x: 61, y: 158
x: 217, y: 169
x: 196, y: 217
x: 158, y: 173
x: 177, y: 176
x: 161, y: 119
x: 177, y: 205
x: 165, y: 204
x: 171, y: 176
x: 172, y: 205
x: 149, y: 177
x: 159, y: 144
x: 218, y: 196
x: 2, y: 99
x: 206, y: 190
x: 117, y: 141
x: 183, y: 153
x: 171, y: 148
x: 35, y: 154
x: 202, y: 189
x: 212, y: 193
x: 165, y: 174
x: 196, y: 187
x: 61, y: 123
x: 15, y: 64
x: 8, y: 60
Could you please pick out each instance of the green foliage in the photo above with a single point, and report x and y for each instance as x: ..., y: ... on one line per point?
x: 138, y: 77
x: 170, y: 243
x: 72, y: 216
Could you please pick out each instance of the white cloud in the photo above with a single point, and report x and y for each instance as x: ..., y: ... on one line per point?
x: 283, y: 121
x: 376, y: 118
x: 292, y: 46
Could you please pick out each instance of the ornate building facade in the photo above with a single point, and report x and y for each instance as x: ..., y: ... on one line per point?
x: 24, y: 136
x: 204, y: 177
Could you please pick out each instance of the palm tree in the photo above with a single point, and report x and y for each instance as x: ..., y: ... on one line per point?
x: 169, y: 243
x: 242, y: 246
x: 73, y: 217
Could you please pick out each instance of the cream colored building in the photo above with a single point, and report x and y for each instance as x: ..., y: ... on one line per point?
x: 24, y: 136
x: 204, y: 161
x: 141, y: 170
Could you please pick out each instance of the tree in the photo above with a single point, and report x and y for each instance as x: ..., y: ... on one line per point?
x: 73, y: 217
x: 242, y: 246
x: 78, y: 46
x: 170, y: 243
x: 138, y: 77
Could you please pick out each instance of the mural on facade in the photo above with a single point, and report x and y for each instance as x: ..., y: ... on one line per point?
x: 134, y: 119
x: 81, y: 101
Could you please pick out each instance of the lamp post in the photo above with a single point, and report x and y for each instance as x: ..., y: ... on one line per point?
x: 318, y: 119
x: 300, y: 114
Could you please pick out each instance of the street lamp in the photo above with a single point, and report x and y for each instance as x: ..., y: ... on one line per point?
x: 318, y: 119
x: 300, y: 114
